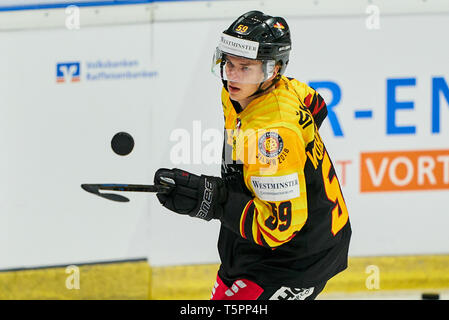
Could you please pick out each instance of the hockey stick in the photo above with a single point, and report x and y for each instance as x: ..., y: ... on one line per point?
x: 95, y: 189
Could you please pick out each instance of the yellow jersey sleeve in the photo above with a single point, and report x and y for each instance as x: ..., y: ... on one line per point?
x: 312, y: 100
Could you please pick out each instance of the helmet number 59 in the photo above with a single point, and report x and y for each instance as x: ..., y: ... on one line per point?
x: 241, y: 28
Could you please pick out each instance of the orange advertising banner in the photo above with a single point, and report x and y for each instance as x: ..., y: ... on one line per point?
x: 404, y: 170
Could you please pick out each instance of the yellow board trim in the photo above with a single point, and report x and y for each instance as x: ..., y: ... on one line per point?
x: 426, y: 272
x: 112, y: 280
x: 192, y: 282
x: 137, y: 280
x: 395, y: 273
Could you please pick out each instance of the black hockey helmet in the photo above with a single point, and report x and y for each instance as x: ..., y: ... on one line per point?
x: 272, y: 34
x: 255, y: 35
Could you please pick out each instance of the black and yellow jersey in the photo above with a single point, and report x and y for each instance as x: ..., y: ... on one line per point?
x: 286, y: 221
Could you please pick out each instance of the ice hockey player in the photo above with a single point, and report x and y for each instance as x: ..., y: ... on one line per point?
x: 285, y: 229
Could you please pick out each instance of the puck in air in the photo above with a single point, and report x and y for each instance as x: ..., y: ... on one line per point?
x: 122, y: 143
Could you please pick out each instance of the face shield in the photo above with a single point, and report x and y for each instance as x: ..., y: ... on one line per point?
x: 241, y: 70
x: 235, y: 60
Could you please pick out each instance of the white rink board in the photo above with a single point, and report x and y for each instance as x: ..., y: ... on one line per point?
x: 56, y: 136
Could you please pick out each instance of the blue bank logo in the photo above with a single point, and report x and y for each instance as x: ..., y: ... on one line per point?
x: 68, y: 72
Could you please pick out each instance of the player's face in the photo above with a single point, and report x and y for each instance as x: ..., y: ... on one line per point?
x: 244, y: 76
x: 243, y: 70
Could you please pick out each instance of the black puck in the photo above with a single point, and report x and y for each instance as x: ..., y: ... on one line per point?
x: 122, y: 143
x: 430, y: 296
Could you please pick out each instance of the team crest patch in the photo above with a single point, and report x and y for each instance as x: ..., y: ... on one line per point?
x: 271, y: 144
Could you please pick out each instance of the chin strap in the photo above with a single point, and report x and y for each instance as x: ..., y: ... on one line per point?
x: 259, y: 89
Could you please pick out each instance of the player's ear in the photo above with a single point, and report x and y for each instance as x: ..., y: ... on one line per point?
x: 277, y: 68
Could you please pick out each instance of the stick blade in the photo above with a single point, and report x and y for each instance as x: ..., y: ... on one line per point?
x: 89, y: 188
x: 93, y: 188
x: 114, y: 197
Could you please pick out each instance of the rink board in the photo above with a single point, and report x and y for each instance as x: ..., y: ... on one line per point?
x: 367, y: 277
x: 61, y: 104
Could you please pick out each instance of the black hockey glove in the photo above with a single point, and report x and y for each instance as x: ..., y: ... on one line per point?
x: 196, y: 196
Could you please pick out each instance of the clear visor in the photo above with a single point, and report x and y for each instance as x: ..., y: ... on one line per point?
x: 242, y: 70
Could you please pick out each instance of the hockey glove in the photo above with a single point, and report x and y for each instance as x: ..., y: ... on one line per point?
x: 196, y: 196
